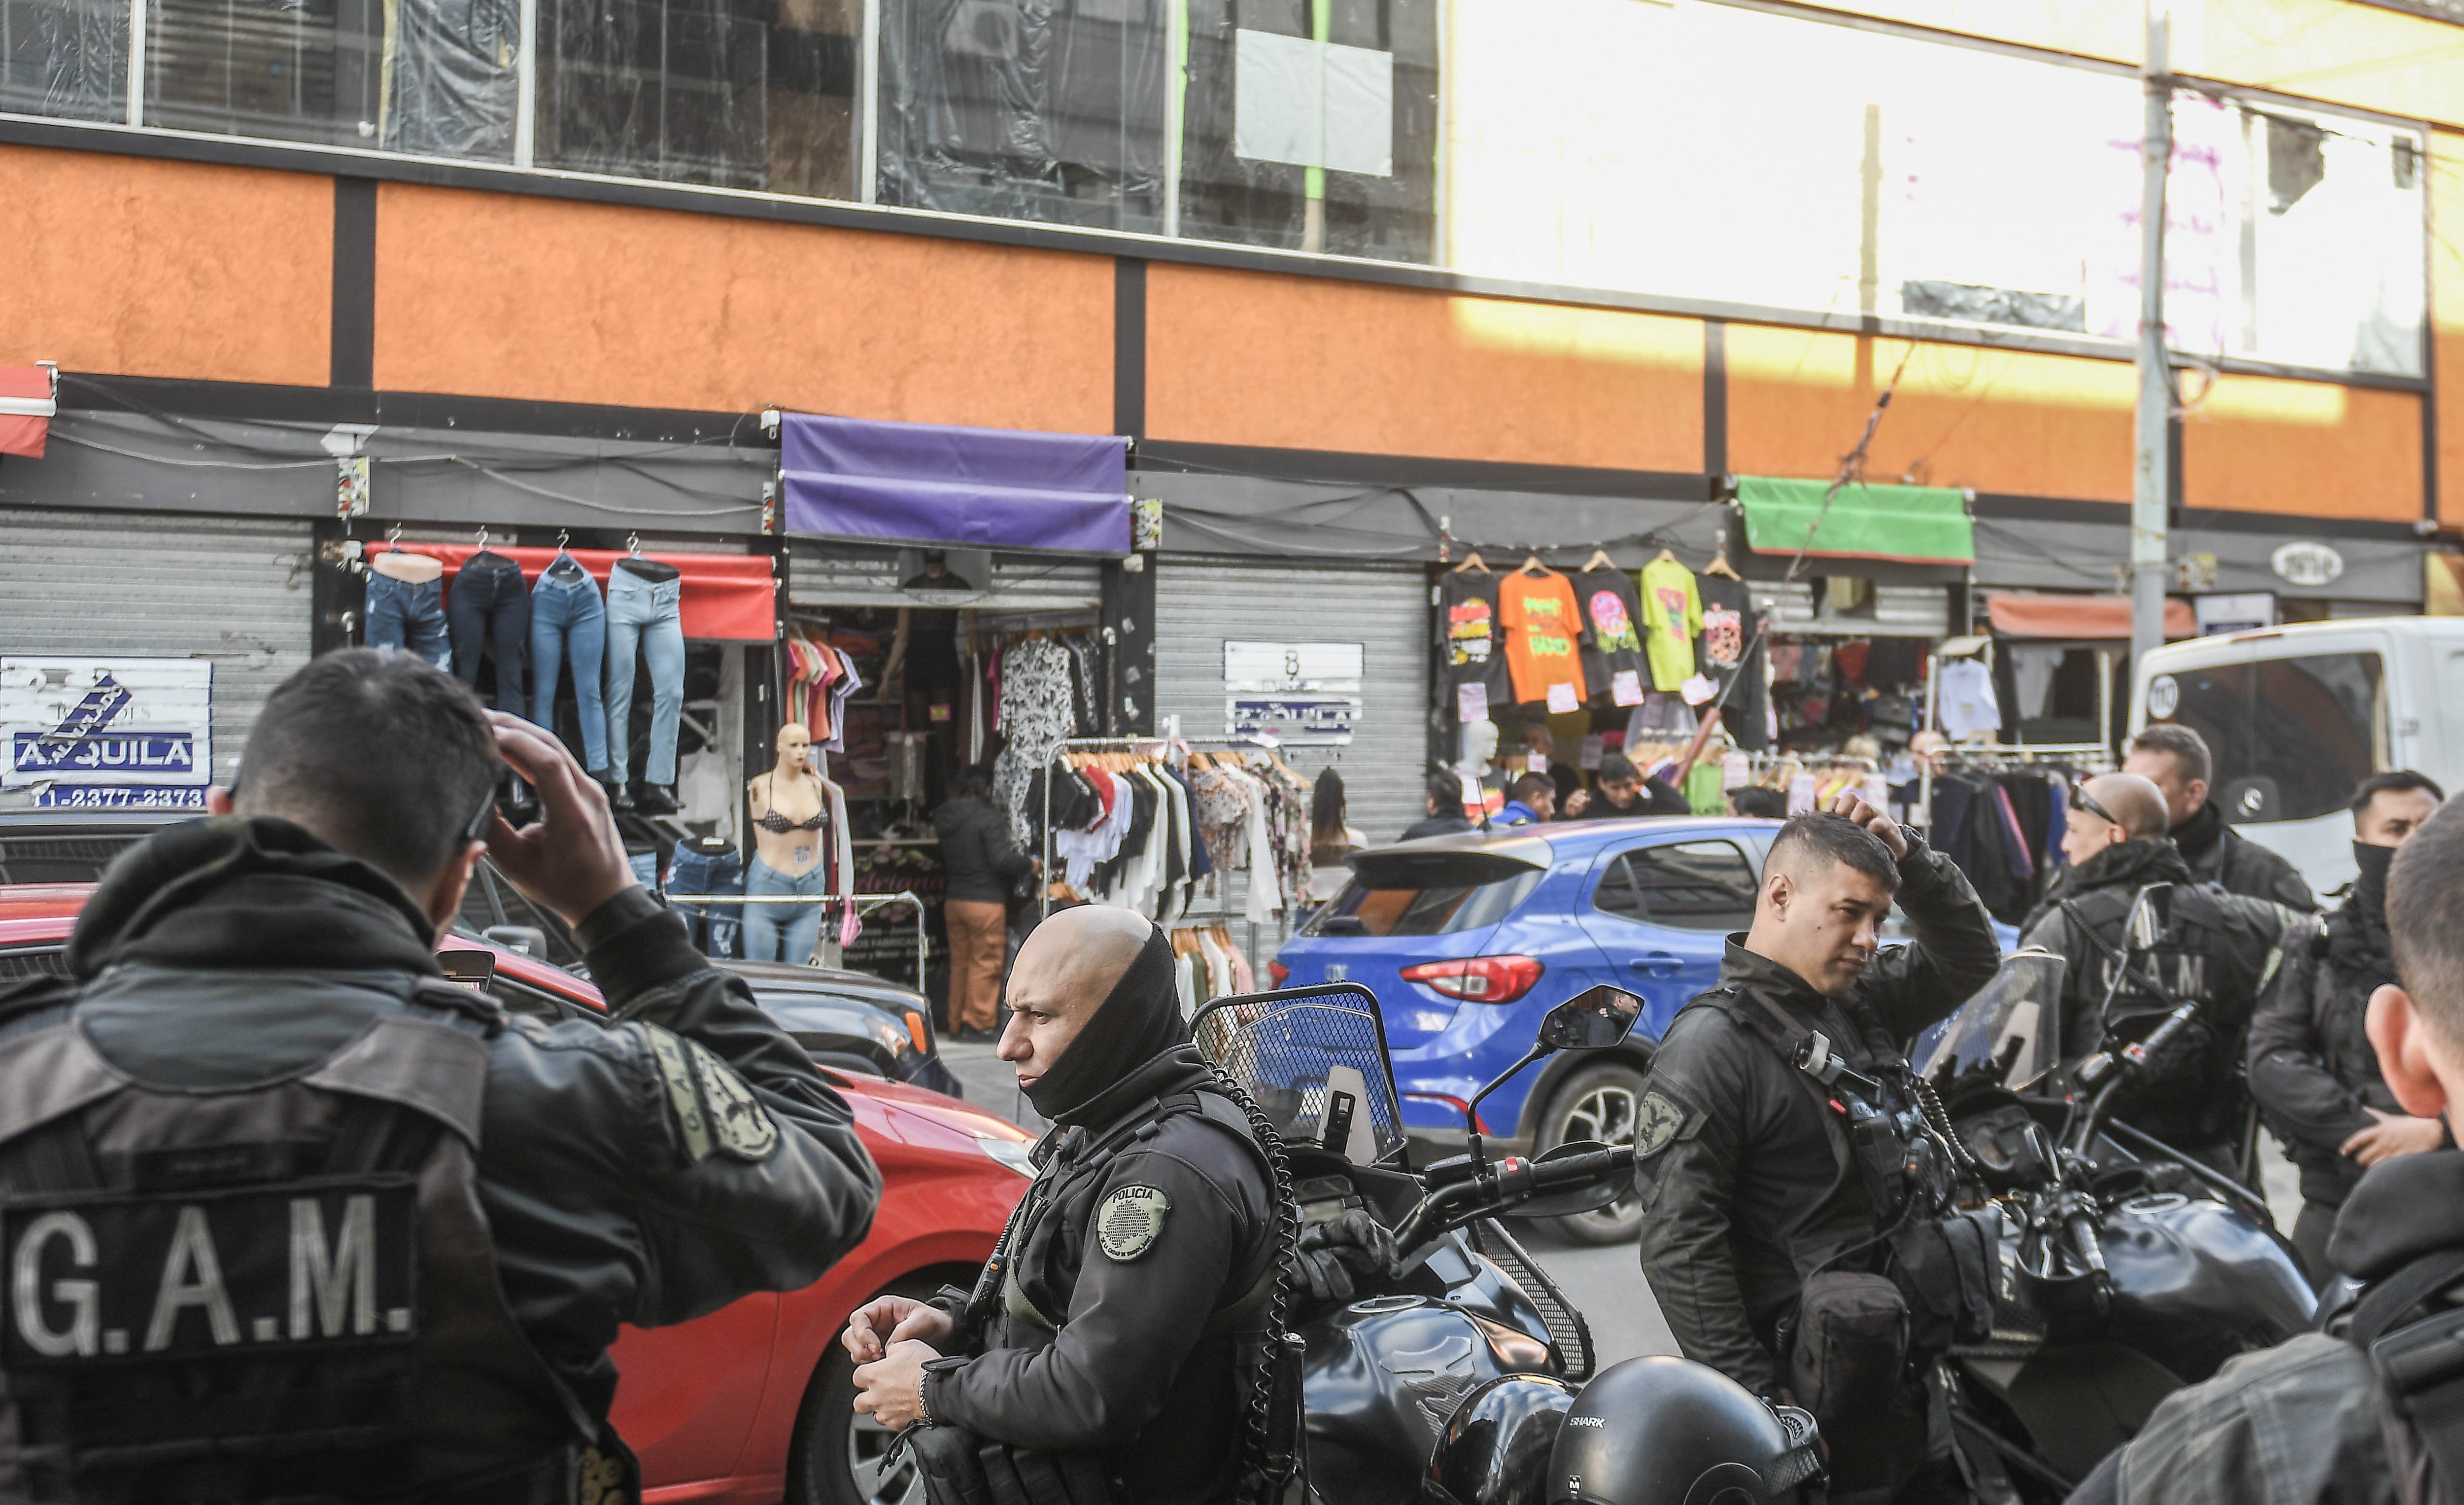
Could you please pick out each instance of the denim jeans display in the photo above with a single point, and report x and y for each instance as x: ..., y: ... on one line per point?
x: 569, y: 622
x: 489, y: 607
x: 651, y: 615
x: 408, y: 616
x: 783, y: 932
x: 645, y: 867
x: 712, y: 925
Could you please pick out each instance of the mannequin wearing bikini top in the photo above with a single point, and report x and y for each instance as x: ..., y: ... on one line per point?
x: 790, y: 808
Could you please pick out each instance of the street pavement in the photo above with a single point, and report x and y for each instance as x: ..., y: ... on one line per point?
x: 1604, y: 1283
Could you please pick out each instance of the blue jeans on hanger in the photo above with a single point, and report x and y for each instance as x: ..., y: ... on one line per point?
x: 783, y: 932
x: 570, y: 621
x: 651, y: 615
x: 489, y: 607
x: 714, y: 925
x: 411, y: 617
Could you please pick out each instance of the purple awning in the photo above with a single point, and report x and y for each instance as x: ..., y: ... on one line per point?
x: 971, y: 488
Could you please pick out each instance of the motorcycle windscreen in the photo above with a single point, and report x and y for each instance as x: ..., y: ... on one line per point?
x: 2012, y: 1020
x: 1315, y: 1060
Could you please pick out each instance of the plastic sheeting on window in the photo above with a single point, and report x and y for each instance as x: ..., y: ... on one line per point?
x: 674, y: 90
x: 1049, y: 110
x: 454, y: 86
x: 67, y: 58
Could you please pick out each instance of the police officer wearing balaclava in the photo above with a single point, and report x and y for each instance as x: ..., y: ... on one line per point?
x: 1101, y: 1352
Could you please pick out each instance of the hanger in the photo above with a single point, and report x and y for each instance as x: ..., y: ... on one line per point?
x: 1532, y: 565
x: 1720, y: 565
x: 483, y: 538
x: 633, y: 544
x: 1665, y: 556
x: 1471, y: 562
x: 563, y: 537
x: 393, y: 537
x: 1599, y: 559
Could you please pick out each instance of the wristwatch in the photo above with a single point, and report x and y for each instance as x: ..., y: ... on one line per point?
x: 933, y: 1367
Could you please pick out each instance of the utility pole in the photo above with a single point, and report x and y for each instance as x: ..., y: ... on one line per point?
x: 2151, y: 487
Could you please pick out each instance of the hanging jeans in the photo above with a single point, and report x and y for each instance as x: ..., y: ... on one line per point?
x: 570, y: 621
x: 489, y: 606
x: 652, y: 616
x: 783, y: 932
x: 408, y: 616
x: 691, y: 873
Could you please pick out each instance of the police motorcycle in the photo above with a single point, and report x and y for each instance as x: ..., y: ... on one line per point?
x: 1458, y: 1374
x: 2123, y: 1269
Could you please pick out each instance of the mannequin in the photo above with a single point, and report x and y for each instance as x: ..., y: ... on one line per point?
x: 411, y: 570
x: 1479, y: 747
x: 790, y: 806
x: 644, y: 619
x: 405, y: 602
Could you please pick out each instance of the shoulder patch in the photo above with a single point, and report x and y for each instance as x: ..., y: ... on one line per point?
x: 740, y: 1126
x: 1658, y: 1120
x: 669, y: 1053
x: 1128, y: 1222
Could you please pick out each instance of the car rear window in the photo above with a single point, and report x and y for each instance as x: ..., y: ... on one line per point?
x: 1436, y: 910
x: 1683, y: 885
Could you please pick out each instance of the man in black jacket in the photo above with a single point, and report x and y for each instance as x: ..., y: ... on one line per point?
x: 2311, y: 1066
x: 2176, y: 759
x: 983, y: 865
x: 1746, y: 1187
x: 2221, y: 953
x: 390, y: 1231
x: 1625, y: 792
x: 1446, y: 806
x: 1144, y: 1256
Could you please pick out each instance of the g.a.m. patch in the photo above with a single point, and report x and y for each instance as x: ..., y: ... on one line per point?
x: 1659, y: 1119
x: 1130, y: 1221
x: 737, y: 1121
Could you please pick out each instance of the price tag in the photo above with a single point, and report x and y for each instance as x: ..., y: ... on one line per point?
x: 1562, y: 700
x: 1698, y: 690
x: 1592, y: 751
x: 1471, y: 702
x: 1800, y: 794
x: 1625, y: 686
x: 1537, y: 763
x: 1736, y: 771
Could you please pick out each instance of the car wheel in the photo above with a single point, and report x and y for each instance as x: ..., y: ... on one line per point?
x: 1597, y: 1102
x: 836, y: 1456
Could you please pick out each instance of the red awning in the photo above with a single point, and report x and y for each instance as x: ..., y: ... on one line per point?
x: 24, y: 410
x: 2017, y: 613
x: 727, y: 597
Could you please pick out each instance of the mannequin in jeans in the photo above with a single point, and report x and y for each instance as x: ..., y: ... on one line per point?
x: 790, y: 814
x: 406, y: 605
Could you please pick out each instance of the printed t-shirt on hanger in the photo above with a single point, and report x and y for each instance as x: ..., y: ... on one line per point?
x: 1543, y: 626
x: 1613, y: 630
x: 1731, y: 647
x: 1672, y: 609
x: 1471, y: 636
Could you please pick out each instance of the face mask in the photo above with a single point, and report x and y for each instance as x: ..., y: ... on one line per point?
x: 1139, y: 1019
x: 2369, y: 885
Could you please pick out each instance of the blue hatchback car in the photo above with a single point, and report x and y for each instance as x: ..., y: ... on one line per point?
x: 1468, y: 939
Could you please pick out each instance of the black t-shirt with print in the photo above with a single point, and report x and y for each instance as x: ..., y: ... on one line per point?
x: 1474, y: 650
x: 1612, y: 630
x: 1728, y: 647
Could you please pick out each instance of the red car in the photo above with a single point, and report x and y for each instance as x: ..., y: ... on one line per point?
x: 751, y: 1403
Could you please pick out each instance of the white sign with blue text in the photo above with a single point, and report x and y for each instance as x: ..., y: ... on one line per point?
x: 108, y: 733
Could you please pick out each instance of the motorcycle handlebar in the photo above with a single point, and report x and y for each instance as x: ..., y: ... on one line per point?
x: 1508, y: 1182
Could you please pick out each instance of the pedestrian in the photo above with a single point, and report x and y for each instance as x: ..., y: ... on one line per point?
x: 983, y: 868
x: 2311, y: 1067
x: 1331, y: 837
x: 1756, y: 802
x: 374, y: 1234
x: 1625, y: 791
x: 1446, y: 806
x: 2177, y: 759
x: 2219, y: 951
x: 1756, y: 1228
x: 1531, y: 800
x: 2363, y: 1411
x: 1108, y: 1337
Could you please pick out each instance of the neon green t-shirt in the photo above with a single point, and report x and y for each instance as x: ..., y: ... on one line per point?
x: 1673, y: 608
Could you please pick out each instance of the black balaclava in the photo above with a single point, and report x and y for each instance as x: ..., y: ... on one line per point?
x: 1139, y: 1020
x: 2358, y: 948
x: 2370, y: 886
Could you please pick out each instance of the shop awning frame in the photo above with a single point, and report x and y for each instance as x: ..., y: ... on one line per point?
x: 2034, y: 616
x: 1910, y: 525
x: 939, y: 484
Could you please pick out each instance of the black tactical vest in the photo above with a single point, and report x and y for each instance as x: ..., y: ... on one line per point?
x: 285, y: 1291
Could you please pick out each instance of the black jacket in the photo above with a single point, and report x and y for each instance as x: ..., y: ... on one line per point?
x: 2220, y: 855
x: 1448, y: 824
x: 1106, y: 1348
x: 603, y: 1208
x: 2312, y: 1067
x: 1656, y: 797
x: 1740, y: 1195
x: 2222, y: 955
x: 982, y: 863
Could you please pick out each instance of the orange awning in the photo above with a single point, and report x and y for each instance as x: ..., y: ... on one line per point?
x: 2022, y: 613
x: 24, y: 410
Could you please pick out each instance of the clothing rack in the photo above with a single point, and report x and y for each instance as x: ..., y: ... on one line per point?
x: 1043, y: 885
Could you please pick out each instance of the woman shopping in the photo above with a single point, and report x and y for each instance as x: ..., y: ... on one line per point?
x: 791, y: 820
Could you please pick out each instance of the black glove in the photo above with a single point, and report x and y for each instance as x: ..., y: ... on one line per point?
x: 1335, y: 1251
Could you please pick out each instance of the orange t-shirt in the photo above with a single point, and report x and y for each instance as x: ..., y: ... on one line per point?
x: 1543, y: 631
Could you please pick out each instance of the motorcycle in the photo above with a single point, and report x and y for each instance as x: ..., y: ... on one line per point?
x: 2126, y: 1268
x: 1447, y: 1382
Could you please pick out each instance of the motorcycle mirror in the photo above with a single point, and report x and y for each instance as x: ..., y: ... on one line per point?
x: 1592, y: 1020
x: 2151, y: 916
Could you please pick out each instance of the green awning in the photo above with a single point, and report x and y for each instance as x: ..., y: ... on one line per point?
x: 1914, y: 524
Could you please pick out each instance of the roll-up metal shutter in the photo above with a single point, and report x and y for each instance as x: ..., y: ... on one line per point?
x: 840, y: 575
x: 1201, y: 601
x: 231, y: 590
x: 1896, y: 611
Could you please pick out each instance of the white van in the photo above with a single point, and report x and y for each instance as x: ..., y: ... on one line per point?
x: 2300, y: 715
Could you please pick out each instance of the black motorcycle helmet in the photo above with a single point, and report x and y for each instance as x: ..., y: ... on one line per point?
x: 1496, y: 1449
x: 1667, y: 1432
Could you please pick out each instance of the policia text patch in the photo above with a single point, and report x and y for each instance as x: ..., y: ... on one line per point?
x: 104, y: 1279
x: 1129, y: 1221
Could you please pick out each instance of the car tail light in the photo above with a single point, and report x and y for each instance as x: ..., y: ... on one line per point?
x: 1479, y: 980
x: 1278, y: 974
x: 919, y: 1032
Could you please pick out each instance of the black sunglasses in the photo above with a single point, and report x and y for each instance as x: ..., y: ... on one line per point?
x: 2079, y: 798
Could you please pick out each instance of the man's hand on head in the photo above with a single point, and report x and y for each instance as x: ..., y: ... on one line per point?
x: 890, y: 1389
x: 1854, y: 806
x: 571, y: 860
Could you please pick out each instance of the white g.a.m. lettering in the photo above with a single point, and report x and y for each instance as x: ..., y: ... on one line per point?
x: 345, y: 1273
x: 2189, y: 975
x: 82, y: 1297
x: 192, y: 1275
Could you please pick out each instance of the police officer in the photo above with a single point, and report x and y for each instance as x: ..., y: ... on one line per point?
x: 2320, y: 1420
x: 2311, y: 1067
x: 1106, y: 1352
x: 2221, y: 951
x: 290, y: 1217
x: 1764, y: 1152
